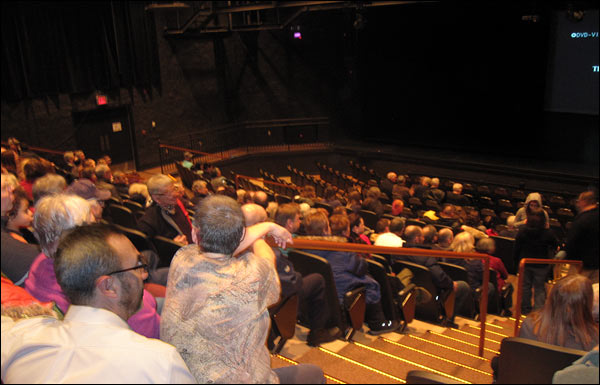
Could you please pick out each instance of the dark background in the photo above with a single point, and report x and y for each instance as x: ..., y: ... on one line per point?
x: 468, y: 76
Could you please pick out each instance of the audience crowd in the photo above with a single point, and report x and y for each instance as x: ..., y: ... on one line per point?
x: 202, y: 317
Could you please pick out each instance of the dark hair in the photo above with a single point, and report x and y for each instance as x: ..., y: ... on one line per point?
x: 381, y: 225
x: 536, y: 218
x: 338, y: 224
x: 9, y: 160
x: 220, y: 223
x: 354, y: 219
x: 315, y: 223
x: 19, y: 197
x: 82, y: 256
x: 285, y: 212
x: 397, y: 225
x: 34, y: 169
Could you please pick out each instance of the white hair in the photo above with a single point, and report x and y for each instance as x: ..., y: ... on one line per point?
x: 158, y: 183
x: 48, y: 184
x: 56, y: 213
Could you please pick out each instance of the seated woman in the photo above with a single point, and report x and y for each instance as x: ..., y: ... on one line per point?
x: 465, y: 243
x: 566, y: 318
x: 54, y: 215
x: 349, y: 270
x: 488, y: 246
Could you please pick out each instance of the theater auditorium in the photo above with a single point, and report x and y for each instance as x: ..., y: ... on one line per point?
x: 300, y: 192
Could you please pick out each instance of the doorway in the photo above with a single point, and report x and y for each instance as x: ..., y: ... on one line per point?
x: 107, y: 131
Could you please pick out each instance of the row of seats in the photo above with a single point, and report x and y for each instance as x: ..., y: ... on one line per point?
x: 350, y: 315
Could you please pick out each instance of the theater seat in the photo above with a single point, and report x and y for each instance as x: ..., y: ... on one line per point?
x: 525, y: 361
x: 348, y: 316
x: 284, y: 315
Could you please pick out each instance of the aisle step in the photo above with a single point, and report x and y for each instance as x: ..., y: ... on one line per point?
x: 460, y: 343
x: 278, y: 361
x: 403, y: 358
x: 443, y: 350
x: 346, y: 369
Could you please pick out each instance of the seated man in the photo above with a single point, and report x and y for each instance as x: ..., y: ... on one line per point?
x: 464, y: 298
x: 100, y: 272
x: 349, y: 272
x: 54, y: 215
x: 392, y: 237
x: 455, y: 196
x: 310, y: 289
x: 167, y: 216
x: 216, y: 308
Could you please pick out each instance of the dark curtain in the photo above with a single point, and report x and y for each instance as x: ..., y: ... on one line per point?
x: 51, y: 48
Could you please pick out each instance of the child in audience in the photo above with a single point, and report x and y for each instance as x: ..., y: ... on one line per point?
x: 20, y: 218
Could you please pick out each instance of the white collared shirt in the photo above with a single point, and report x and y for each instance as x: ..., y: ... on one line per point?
x: 389, y: 240
x: 90, y: 345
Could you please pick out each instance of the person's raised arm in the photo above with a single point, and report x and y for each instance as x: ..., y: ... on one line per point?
x: 281, y: 236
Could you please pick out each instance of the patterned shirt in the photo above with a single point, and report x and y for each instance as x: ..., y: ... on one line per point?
x: 216, y: 315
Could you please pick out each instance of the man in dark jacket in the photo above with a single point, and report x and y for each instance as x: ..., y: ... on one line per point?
x: 349, y: 272
x: 310, y: 289
x: 167, y: 216
x: 413, y: 235
x: 582, y: 238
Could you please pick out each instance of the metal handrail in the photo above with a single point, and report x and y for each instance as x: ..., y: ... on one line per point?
x: 535, y: 261
x: 360, y: 248
x: 239, y: 176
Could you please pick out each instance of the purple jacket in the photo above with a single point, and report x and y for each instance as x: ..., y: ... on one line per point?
x: 42, y: 284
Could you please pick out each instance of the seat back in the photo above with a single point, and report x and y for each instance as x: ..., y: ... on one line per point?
x: 494, y: 305
x: 166, y: 249
x: 325, y: 206
x: 132, y: 205
x: 139, y: 239
x: 415, y: 222
x: 121, y: 215
x: 284, y: 315
x: 385, y: 261
x: 306, y: 263
x: 504, y: 251
x: 378, y: 272
x: 370, y: 218
x: 426, y: 377
x: 525, y: 361
x: 456, y: 272
x: 427, y: 311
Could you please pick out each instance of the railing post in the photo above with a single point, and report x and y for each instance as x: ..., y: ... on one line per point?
x: 160, y: 157
x: 519, y: 297
x: 483, y: 302
x: 524, y: 261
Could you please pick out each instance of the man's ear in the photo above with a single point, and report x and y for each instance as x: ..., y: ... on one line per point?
x: 107, y: 286
x: 195, y: 235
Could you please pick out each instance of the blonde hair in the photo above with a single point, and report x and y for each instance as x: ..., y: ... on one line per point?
x: 463, y: 243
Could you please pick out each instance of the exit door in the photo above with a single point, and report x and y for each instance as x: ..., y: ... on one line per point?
x: 106, y: 131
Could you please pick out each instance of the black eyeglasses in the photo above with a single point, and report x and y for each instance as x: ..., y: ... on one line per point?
x: 140, y: 265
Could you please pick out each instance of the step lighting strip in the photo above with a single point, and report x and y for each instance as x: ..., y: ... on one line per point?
x: 362, y: 365
x: 494, y: 325
x: 490, y: 332
x: 432, y: 356
x: 333, y: 379
x: 473, y: 335
x: 409, y: 362
x: 463, y: 342
x: 445, y: 347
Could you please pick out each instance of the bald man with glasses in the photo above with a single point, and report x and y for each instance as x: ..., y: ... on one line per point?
x: 102, y: 274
